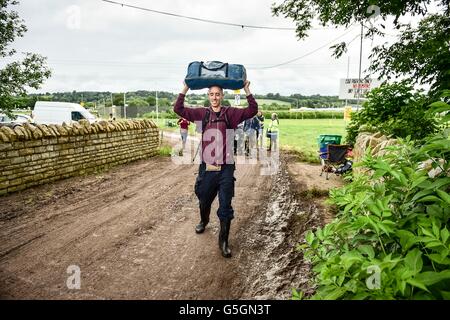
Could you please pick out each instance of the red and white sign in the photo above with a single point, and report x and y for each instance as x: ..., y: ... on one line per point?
x: 354, y: 88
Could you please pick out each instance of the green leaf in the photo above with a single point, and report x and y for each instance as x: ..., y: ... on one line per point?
x: 433, y: 244
x: 350, y: 257
x: 438, y: 107
x: 297, y: 295
x: 418, y: 181
x: 379, y: 173
x: 361, y: 296
x: 430, y: 277
x: 401, y: 286
x: 444, y: 196
x: 434, y: 210
x: 373, y: 224
x: 413, y: 260
x: 445, y: 295
x: 435, y: 229
x: 445, y: 252
x: 315, y: 243
x: 384, y: 226
x: 367, y: 250
x: 429, y: 199
x: 427, y: 232
x: 418, y: 284
x: 403, y: 179
x: 335, y: 294
x: 439, y: 183
x: 407, y: 239
x: 309, y: 237
x: 445, y: 235
x: 348, y: 207
x: 439, y: 259
x: 382, y: 165
x: 374, y: 209
x: 422, y: 193
x: 319, y: 233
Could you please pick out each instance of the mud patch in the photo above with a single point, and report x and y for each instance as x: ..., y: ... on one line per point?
x: 308, y: 183
x: 270, y: 261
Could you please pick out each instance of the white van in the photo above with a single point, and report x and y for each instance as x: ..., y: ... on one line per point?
x: 50, y: 112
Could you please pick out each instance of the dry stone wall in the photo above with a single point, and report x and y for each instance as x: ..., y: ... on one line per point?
x: 376, y: 141
x: 36, y: 154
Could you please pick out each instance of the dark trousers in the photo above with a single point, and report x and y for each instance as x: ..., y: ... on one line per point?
x: 211, y: 183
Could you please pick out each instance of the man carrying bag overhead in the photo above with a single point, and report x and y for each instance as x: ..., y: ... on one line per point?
x: 216, y: 171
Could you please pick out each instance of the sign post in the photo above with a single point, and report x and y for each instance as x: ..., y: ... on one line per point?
x: 237, y: 97
x: 347, y: 113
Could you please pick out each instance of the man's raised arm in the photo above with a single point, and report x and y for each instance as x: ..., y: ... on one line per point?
x: 240, y: 115
x: 191, y: 114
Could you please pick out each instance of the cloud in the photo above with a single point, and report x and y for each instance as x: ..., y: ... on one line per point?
x: 93, y: 45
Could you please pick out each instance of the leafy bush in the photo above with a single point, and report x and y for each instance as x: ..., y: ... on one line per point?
x: 393, y: 223
x: 394, y: 109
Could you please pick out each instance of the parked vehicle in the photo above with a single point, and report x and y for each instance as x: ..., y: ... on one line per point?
x: 10, y: 122
x: 51, y: 112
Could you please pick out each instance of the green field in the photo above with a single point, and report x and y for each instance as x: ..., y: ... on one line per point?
x: 264, y: 101
x: 301, y: 135
x: 298, y: 135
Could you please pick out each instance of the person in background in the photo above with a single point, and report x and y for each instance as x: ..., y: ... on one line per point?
x: 260, y: 132
x: 273, y: 132
x: 184, y: 129
x: 251, y: 127
x: 239, y: 139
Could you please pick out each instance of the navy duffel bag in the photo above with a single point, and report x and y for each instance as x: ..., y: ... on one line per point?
x: 202, y: 75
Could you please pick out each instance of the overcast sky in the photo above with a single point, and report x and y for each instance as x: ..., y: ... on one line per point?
x: 96, y: 46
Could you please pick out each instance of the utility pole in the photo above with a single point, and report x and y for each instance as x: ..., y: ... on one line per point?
x: 348, y: 75
x: 359, y: 73
x: 124, y: 106
x: 157, y: 115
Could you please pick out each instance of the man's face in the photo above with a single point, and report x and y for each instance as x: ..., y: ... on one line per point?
x: 215, y: 95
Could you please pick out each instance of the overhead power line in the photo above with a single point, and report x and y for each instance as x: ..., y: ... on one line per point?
x: 306, y: 54
x: 201, y: 19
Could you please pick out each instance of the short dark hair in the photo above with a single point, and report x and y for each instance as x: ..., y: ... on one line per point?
x: 215, y: 85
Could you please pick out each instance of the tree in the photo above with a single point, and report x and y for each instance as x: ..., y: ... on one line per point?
x: 394, y: 109
x: 164, y: 102
x: 346, y: 13
x: 16, y: 76
x: 151, y: 100
x: 137, y: 102
x: 420, y: 53
x: 118, y: 99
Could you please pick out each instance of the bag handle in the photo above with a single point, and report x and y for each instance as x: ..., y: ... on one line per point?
x: 217, y: 68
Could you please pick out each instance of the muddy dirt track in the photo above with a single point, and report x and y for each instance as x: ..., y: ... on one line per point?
x: 131, y: 232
